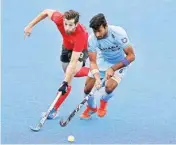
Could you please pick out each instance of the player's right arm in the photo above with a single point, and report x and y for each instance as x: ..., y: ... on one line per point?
x: 93, y: 63
x: 41, y: 16
x: 94, y: 68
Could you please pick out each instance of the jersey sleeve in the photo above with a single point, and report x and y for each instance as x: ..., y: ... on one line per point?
x: 57, y: 18
x: 80, y: 42
x: 92, y: 45
x: 123, y: 38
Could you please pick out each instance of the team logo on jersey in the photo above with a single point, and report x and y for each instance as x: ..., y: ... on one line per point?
x: 113, y: 36
x: 124, y: 40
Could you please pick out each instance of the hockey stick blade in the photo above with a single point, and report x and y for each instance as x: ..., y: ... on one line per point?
x: 35, y: 129
x: 40, y: 125
x: 63, y: 123
x: 44, y: 117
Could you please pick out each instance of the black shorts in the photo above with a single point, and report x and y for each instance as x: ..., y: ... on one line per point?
x: 66, y: 55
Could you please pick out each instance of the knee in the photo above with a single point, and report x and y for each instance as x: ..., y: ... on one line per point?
x: 109, y: 88
x: 87, y: 90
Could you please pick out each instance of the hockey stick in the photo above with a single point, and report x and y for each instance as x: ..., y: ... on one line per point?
x: 64, y: 123
x: 44, y: 117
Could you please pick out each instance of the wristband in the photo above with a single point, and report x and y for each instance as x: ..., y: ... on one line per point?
x: 94, y: 71
x: 125, y: 61
x: 113, y: 69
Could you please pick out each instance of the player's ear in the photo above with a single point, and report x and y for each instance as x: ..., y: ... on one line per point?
x: 76, y: 24
x: 106, y: 26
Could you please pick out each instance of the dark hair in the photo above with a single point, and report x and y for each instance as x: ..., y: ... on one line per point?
x: 97, y: 21
x: 71, y: 14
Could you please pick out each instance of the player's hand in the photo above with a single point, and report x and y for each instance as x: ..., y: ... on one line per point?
x: 63, y: 87
x: 27, y: 31
x: 98, y: 83
x: 109, y: 73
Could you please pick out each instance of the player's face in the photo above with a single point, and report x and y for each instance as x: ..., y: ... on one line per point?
x: 101, y: 32
x: 69, y: 26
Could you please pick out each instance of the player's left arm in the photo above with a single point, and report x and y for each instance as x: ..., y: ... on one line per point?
x: 130, y: 57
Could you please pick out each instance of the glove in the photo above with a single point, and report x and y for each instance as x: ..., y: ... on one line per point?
x: 63, y: 87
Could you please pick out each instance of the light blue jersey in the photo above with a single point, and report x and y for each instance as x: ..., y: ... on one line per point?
x: 109, y: 49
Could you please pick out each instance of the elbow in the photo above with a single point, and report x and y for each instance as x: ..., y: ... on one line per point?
x: 133, y: 57
x: 48, y: 13
x: 45, y: 12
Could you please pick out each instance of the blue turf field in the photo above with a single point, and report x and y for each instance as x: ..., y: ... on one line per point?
x: 144, y: 107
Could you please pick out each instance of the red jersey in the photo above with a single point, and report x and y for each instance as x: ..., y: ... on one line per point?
x: 76, y: 41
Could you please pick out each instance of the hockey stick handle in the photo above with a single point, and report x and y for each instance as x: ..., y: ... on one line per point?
x: 54, y: 102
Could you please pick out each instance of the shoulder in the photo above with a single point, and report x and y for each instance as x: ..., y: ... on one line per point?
x: 57, y: 16
x: 117, y: 30
x: 92, y: 39
x: 81, y: 31
x: 57, y: 13
x: 81, y: 28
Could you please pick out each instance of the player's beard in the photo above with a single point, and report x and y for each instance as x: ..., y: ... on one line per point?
x: 104, y: 36
x: 68, y: 32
